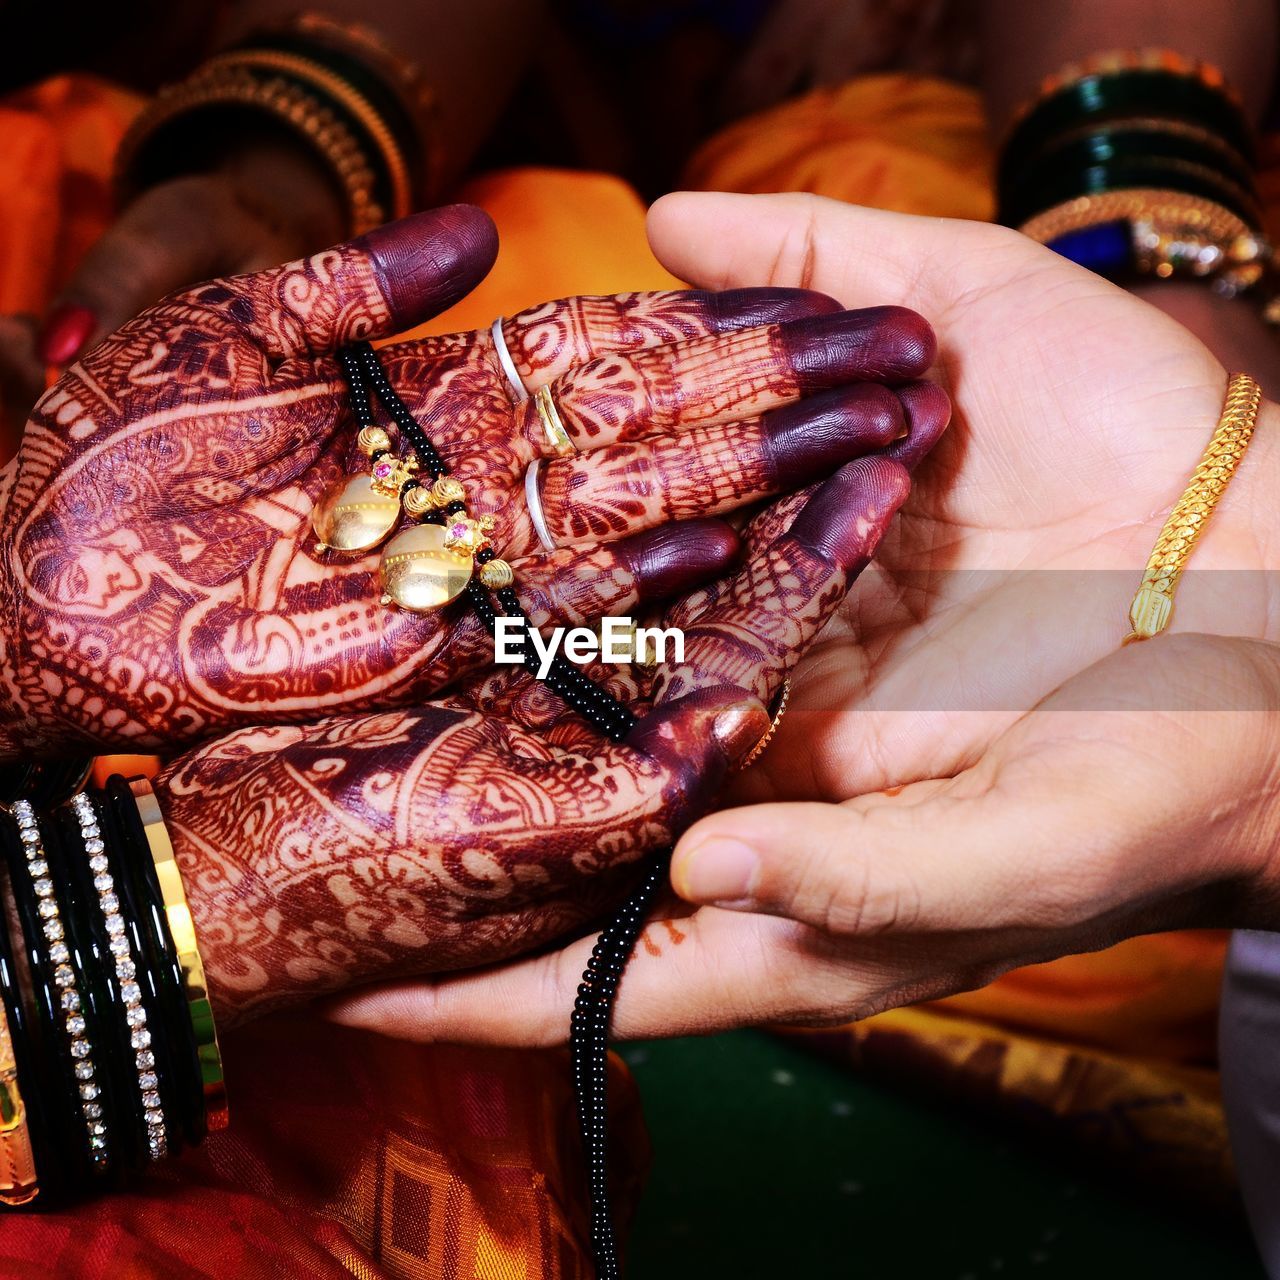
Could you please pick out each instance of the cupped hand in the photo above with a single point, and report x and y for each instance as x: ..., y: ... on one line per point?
x: 162, y: 580
x: 493, y: 821
x: 1009, y: 784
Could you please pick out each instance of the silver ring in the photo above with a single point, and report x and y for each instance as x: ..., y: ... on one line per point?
x: 518, y: 389
x: 533, y: 497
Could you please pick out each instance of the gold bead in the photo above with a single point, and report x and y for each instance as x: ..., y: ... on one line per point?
x: 373, y: 439
x: 418, y: 501
x: 497, y: 574
x: 447, y: 490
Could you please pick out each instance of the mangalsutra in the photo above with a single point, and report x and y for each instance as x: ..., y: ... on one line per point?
x: 430, y: 563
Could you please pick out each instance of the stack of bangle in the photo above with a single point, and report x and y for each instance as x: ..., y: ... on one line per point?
x: 318, y: 83
x: 1140, y: 163
x: 108, y: 1057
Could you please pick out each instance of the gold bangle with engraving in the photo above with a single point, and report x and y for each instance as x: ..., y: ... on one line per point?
x: 351, y: 101
x: 183, y: 931
x: 288, y: 102
x: 1152, y: 606
x: 19, y: 1183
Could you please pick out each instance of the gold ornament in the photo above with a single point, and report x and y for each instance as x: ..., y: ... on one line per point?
x: 447, y: 491
x: 373, y: 440
x: 422, y: 571
x: 497, y: 574
x: 467, y: 535
x: 354, y: 515
x: 391, y: 474
x: 418, y: 501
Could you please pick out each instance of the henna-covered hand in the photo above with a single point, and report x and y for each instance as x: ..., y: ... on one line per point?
x: 160, y: 580
x: 494, y: 820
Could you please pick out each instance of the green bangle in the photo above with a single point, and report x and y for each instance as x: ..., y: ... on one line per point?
x: 1094, y: 99
x: 1025, y: 202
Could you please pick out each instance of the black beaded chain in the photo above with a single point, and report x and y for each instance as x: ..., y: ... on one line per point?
x: 593, y: 1008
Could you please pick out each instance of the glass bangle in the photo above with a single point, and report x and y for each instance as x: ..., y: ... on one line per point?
x: 1118, y: 146
x: 171, y: 1047
x: 65, y: 1091
x: 1025, y: 201
x: 96, y: 1010
x: 1111, y: 96
x: 164, y: 877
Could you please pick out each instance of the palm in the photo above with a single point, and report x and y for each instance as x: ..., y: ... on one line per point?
x: 1079, y: 411
x: 164, y: 578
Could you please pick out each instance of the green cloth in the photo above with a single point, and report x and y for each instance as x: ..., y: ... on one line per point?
x: 771, y: 1162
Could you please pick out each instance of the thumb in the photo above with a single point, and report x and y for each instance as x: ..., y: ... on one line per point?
x: 930, y: 858
x: 697, y: 740
x: 381, y: 283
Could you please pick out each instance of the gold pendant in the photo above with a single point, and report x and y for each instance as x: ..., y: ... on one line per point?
x: 354, y: 515
x: 423, y: 568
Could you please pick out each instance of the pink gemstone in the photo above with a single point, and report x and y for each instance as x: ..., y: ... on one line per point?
x: 382, y: 469
x: 459, y: 530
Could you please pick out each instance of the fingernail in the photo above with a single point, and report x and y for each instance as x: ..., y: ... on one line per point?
x: 719, y: 870
x: 674, y: 558
x: 739, y: 727
x: 880, y: 343
x: 815, y: 436
x: 66, y: 330
x: 734, y: 309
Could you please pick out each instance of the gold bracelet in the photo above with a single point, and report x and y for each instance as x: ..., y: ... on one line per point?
x: 401, y: 75
x: 351, y: 101
x: 1172, y: 232
x: 183, y: 931
x: 19, y: 1183
x: 1153, y: 604
x: 289, y: 103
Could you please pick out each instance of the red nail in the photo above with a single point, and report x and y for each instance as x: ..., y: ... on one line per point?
x: 65, y: 332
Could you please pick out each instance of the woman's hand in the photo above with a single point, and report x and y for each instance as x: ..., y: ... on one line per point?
x: 494, y: 821
x: 162, y: 578
x: 1045, y: 792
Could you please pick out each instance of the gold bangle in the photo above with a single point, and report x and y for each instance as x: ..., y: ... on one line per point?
x: 784, y: 696
x: 1152, y: 606
x: 183, y: 931
x: 289, y: 103
x: 401, y: 75
x: 19, y: 1183
x: 349, y: 98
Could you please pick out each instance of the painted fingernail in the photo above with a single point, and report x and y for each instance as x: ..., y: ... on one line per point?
x: 845, y: 520
x: 426, y: 262
x: 745, y: 308
x: 876, y: 342
x: 739, y: 727
x: 66, y: 330
x: 928, y: 410
x: 813, y: 437
x: 719, y: 870
x: 675, y: 558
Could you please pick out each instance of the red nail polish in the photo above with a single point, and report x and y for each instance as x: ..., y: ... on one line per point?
x: 65, y: 332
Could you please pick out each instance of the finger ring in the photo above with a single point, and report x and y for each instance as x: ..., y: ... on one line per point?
x: 784, y: 696
x: 557, y: 436
x: 518, y: 389
x: 533, y: 497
